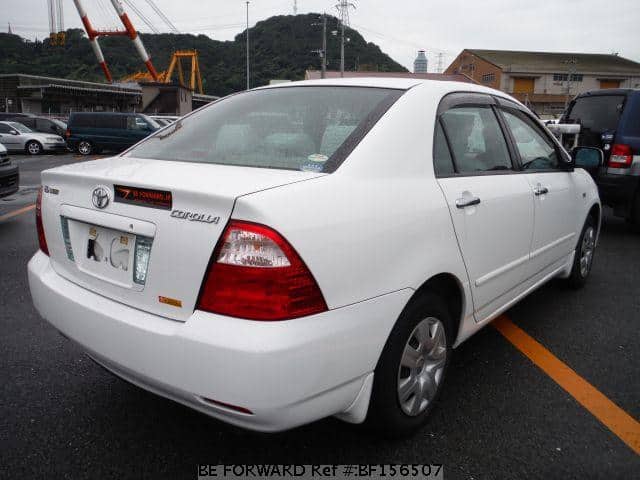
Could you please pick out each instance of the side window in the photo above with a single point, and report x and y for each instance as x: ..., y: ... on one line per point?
x: 476, y: 140
x: 537, y: 152
x: 442, y: 161
x: 111, y: 121
x: 136, y: 123
x: 27, y: 122
x: 4, y: 128
x: 86, y: 120
x: 44, y: 125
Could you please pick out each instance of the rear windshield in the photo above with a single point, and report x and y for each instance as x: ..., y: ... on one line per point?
x: 292, y: 128
x: 598, y: 113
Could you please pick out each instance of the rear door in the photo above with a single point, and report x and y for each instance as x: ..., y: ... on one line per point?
x: 552, y: 188
x: 599, y: 117
x: 489, y: 200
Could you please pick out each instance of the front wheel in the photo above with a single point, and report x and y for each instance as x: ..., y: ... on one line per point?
x: 85, y: 148
x: 585, y: 251
x: 33, y: 148
x: 411, y: 370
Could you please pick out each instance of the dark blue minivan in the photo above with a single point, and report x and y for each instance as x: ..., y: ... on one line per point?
x: 610, y: 120
x: 92, y: 132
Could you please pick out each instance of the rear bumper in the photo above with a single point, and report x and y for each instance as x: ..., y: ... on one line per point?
x: 9, y: 179
x: 618, y: 189
x: 286, y: 373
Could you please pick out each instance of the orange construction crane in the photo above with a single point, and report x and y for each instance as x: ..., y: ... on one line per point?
x: 176, y: 63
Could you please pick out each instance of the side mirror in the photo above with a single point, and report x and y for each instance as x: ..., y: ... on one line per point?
x: 14, y: 132
x: 589, y: 158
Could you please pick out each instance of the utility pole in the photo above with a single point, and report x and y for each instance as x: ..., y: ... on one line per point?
x: 248, y: 86
x: 324, y: 45
x: 343, y: 7
x: 323, y: 52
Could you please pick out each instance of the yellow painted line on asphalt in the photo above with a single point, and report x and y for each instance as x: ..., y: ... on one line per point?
x: 15, y: 213
x: 613, y: 417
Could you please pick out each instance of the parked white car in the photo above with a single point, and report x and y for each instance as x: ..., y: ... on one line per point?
x: 312, y: 249
x: 19, y: 138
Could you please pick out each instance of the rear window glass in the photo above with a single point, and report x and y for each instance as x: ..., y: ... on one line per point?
x: 598, y: 113
x: 292, y: 128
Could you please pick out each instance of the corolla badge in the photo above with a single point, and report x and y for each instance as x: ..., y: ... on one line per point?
x: 195, y: 217
x: 100, y: 197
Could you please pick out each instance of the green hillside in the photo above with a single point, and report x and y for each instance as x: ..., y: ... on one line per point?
x: 281, y: 47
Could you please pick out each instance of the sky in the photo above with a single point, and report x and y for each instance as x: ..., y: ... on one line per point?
x: 401, y: 27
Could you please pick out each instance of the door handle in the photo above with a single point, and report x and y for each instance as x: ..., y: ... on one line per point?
x: 467, y: 202
x: 540, y: 190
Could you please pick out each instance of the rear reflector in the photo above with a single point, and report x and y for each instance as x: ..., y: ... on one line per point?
x: 42, y: 240
x: 246, y: 411
x: 256, y: 274
x: 621, y: 156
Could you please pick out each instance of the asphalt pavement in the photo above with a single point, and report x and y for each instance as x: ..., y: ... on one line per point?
x: 500, y: 416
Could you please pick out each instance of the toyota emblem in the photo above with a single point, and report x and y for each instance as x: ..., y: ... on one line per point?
x: 100, y: 197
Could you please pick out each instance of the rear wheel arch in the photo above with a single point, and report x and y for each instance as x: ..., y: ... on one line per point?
x: 596, y: 212
x: 449, y: 288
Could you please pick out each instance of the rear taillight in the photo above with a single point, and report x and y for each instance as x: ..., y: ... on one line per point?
x: 67, y: 133
x: 621, y: 156
x: 41, y: 238
x: 255, y: 274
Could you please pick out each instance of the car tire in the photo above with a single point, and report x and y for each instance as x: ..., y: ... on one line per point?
x: 85, y: 147
x: 585, y: 251
x: 33, y: 147
x: 402, y: 395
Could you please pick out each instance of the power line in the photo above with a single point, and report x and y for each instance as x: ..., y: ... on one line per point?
x: 141, y: 16
x: 164, y: 18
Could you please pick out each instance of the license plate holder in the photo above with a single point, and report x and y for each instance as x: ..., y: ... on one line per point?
x: 104, y: 253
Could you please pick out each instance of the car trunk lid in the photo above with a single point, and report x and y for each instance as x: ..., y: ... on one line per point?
x: 169, y: 212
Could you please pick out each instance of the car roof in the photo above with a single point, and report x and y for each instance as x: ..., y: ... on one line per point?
x: 437, y: 86
x: 609, y: 91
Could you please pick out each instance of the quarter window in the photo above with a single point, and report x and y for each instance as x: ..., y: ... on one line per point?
x: 442, y: 161
x: 537, y: 152
x: 476, y: 140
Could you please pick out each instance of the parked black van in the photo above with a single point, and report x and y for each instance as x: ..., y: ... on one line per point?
x: 92, y: 132
x: 610, y: 120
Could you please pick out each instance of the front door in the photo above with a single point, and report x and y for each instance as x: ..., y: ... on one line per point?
x: 552, y: 189
x: 9, y: 140
x: 490, y: 203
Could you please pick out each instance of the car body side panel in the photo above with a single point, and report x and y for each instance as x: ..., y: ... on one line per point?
x: 390, y: 226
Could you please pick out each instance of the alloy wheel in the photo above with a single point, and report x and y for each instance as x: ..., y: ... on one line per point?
x: 422, y: 365
x: 586, y: 250
x: 84, y: 148
x: 33, y: 148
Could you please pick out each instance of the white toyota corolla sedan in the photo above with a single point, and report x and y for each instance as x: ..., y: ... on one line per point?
x: 312, y: 249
